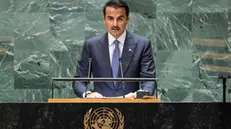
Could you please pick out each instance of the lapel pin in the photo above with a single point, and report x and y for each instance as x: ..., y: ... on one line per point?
x: 130, y: 50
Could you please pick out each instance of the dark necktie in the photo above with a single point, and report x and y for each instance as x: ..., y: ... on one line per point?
x: 115, y: 59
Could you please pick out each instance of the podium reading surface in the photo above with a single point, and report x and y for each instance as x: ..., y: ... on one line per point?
x: 106, y: 100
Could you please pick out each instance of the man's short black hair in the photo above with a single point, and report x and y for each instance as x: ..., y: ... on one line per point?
x: 116, y: 4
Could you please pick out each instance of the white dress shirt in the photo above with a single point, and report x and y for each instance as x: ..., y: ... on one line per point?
x: 111, y: 45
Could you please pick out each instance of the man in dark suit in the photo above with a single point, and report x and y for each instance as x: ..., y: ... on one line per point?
x: 105, y: 51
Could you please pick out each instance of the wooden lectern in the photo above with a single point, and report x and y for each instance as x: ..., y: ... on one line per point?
x: 107, y: 100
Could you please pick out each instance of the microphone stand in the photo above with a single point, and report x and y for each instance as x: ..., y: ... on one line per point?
x: 224, y: 76
x: 89, y: 74
x: 122, y: 76
x: 52, y: 89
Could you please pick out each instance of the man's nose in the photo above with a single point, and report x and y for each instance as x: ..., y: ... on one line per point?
x: 115, y: 22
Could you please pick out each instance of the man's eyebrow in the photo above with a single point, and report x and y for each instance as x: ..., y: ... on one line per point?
x: 121, y: 16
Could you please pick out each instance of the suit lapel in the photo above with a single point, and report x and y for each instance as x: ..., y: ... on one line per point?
x: 104, y: 52
x: 128, y: 52
x: 127, y: 55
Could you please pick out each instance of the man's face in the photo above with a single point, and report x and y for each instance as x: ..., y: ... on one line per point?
x: 115, y: 20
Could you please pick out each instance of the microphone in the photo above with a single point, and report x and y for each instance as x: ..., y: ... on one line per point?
x: 122, y: 75
x: 89, y: 67
x: 88, y: 75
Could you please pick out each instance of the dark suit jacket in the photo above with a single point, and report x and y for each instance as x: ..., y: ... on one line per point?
x: 137, y: 61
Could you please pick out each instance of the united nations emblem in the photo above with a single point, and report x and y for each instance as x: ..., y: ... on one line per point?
x: 103, y: 118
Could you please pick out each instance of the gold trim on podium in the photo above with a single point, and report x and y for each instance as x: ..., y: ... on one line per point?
x: 106, y: 100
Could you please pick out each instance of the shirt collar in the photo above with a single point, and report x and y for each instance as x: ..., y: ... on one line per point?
x: 121, y: 39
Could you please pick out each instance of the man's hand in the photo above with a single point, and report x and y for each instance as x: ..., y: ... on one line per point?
x: 95, y: 95
x: 131, y: 95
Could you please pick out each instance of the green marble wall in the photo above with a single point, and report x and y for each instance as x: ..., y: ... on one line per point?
x: 40, y: 39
